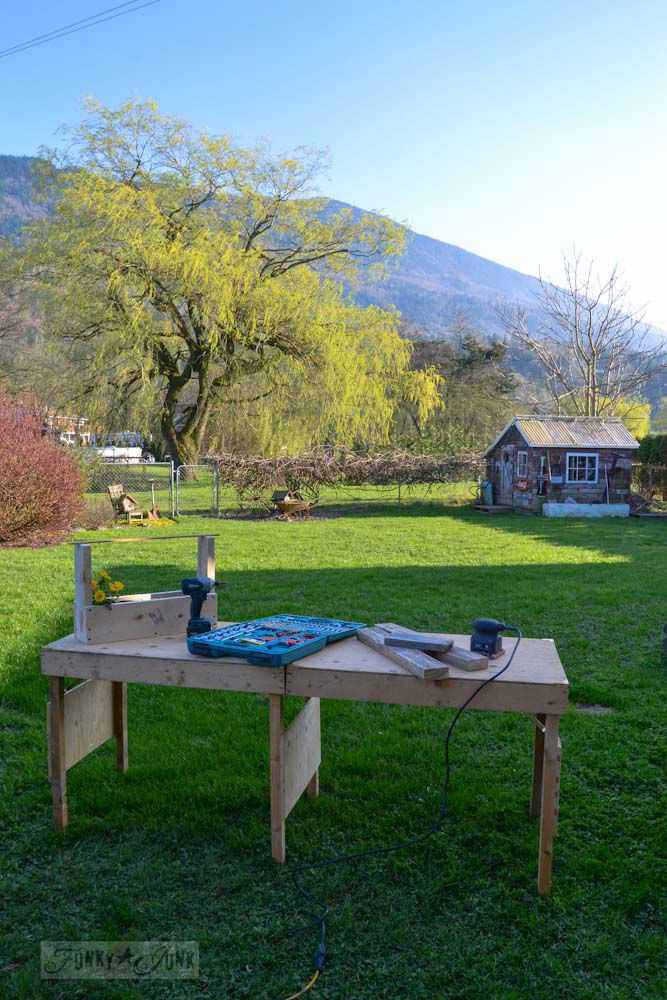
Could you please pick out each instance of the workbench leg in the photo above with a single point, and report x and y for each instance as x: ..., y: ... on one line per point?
x: 57, y: 769
x: 549, y: 805
x: 119, y: 699
x: 295, y: 761
x: 538, y: 760
x: 276, y: 722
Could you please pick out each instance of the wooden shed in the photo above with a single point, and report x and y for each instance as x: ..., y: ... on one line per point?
x: 551, y: 459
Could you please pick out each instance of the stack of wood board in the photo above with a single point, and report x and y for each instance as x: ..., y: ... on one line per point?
x: 426, y: 656
x: 418, y: 663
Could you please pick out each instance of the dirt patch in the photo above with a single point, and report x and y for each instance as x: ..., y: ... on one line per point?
x: 585, y: 709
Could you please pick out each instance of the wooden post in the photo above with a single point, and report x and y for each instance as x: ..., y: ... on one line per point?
x: 549, y: 803
x: 83, y: 578
x: 119, y: 697
x: 276, y: 722
x: 295, y: 763
x: 559, y: 758
x: 57, y: 764
x: 538, y: 760
x: 206, y: 556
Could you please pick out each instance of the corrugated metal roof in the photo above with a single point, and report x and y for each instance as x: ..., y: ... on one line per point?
x: 570, y: 432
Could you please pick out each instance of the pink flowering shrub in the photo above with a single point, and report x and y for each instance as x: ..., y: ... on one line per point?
x: 41, y: 490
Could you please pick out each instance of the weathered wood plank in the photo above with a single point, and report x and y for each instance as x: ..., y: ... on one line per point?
x: 418, y: 640
x: 465, y: 659
x: 455, y: 656
x: 420, y: 664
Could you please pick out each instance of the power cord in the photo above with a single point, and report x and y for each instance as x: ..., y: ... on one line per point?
x: 309, y: 986
x: 320, y: 920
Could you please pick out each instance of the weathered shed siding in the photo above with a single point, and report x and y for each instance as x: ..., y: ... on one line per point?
x: 512, y: 442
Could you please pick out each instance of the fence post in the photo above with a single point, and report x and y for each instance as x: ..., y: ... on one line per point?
x: 399, y: 493
x: 177, y: 492
x: 171, y: 490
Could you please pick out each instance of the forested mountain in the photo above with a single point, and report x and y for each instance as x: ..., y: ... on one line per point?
x: 18, y: 203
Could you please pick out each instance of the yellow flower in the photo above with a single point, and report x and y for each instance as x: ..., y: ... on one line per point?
x: 116, y: 587
x: 99, y: 597
x: 104, y: 575
x: 95, y: 584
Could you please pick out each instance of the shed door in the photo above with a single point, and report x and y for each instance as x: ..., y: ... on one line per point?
x: 507, y: 478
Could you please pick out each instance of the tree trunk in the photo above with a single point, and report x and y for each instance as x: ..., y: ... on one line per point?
x: 183, y: 448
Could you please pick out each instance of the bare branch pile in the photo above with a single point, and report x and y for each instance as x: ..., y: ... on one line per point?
x: 254, y: 478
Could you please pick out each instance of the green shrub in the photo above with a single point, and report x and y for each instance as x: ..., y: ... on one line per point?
x: 653, y: 449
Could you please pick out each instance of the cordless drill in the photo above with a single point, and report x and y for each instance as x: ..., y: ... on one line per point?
x: 196, y: 588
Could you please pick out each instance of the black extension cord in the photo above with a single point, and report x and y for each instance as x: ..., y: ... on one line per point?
x: 320, y: 920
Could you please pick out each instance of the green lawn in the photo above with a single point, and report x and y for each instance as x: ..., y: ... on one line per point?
x: 179, y: 846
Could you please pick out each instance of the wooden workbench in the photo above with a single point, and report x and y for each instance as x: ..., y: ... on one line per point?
x: 85, y: 716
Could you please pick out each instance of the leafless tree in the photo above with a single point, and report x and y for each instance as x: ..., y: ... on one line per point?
x: 595, y: 350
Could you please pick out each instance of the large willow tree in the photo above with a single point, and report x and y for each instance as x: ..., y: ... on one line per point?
x: 193, y: 284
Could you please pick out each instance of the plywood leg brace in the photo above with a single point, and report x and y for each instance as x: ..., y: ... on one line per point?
x: 295, y: 755
x: 78, y: 721
x: 551, y: 762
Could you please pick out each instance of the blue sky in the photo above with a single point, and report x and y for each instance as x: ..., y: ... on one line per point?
x: 513, y: 129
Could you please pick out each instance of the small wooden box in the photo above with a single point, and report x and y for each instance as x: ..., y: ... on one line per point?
x: 137, y: 616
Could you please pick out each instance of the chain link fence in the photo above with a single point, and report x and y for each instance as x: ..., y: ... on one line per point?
x: 336, y: 485
x: 197, y: 490
x: 136, y: 479
x: 200, y: 491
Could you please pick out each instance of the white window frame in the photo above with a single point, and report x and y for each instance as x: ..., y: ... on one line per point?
x: 521, y: 474
x: 581, y: 454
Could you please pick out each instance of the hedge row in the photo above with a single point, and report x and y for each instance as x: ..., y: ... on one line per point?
x: 653, y: 450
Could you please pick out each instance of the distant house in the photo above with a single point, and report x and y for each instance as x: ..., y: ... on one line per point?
x: 538, y: 459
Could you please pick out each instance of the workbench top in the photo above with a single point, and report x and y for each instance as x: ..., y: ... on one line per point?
x: 157, y: 660
x: 349, y: 670
x: 535, y: 682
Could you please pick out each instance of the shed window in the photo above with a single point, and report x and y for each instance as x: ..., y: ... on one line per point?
x: 522, y: 464
x: 582, y: 468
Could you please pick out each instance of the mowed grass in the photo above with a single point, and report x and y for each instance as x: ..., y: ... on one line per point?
x: 179, y: 847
